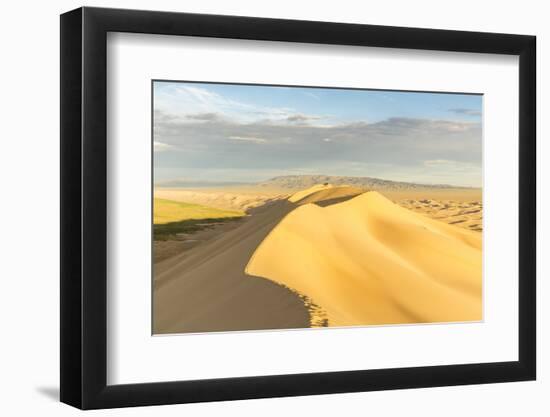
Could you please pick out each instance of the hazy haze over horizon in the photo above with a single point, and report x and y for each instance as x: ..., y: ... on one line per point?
x: 242, y: 133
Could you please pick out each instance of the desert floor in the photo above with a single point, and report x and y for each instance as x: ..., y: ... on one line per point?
x: 255, y: 271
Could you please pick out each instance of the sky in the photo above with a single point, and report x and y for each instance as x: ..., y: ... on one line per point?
x: 250, y: 133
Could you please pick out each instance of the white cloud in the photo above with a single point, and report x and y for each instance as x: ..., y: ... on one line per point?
x: 248, y: 139
x: 449, y: 165
x: 467, y: 112
x: 301, y: 119
x: 438, y: 162
x: 405, y: 149
x: 184, y: 100
x: 186, y: 103
x: 200, y: 94
x: 160, y: 147
x: 312, y: 95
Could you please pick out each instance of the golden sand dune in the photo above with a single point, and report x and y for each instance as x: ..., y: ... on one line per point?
x: 464, y: 214
x: 326, y: 195
x: 308, y: 191
x: 205, y: 288
x: 368, y: 261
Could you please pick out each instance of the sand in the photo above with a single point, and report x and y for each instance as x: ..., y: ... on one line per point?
x: 325, y: 256
x: 464, y: 214
x: 182, y: 243
x: 456, y: 194
x: 368, y: 261
x: 225, y: 199
x: 325, y: 195
x: 206, y: 289
x: 300, y: 195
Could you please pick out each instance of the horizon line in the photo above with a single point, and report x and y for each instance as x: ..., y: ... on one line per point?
x: 216, y: 182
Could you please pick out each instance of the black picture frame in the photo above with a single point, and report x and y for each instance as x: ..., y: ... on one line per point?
x: 84, y: 207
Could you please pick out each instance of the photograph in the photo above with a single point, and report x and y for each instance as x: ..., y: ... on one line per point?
x: 297, y: 207
x: 268, y: 204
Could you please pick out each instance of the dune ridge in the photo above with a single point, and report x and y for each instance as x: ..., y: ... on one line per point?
x: 325, y: 195
x: 294, y: 198
x: 368, y: 261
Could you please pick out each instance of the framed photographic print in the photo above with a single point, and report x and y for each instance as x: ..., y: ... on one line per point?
x: 258, y: 208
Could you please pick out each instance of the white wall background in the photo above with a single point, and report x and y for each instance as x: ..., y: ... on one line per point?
x: 29, y: 226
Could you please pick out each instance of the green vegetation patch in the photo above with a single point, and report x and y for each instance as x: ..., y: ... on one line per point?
x: 173, y: 217
x: 168, y: 211
x: 168, y: 231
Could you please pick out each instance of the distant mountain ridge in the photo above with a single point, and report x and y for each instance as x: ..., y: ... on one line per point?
x: 300, y: 182
x: 306, y: 181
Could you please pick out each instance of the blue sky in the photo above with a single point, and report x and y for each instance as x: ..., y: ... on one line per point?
x: 247, y: 133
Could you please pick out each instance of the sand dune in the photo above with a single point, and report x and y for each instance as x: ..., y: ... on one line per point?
x: 439, y: 194
x: 325, y: 195
x: 369, y: 261
x: 329, y: 255
x: 311, y: 190
x: 206, y: 289
x: 464, y: 214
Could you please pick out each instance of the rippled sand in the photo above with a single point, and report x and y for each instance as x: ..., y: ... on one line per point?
x: 467, y: 215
